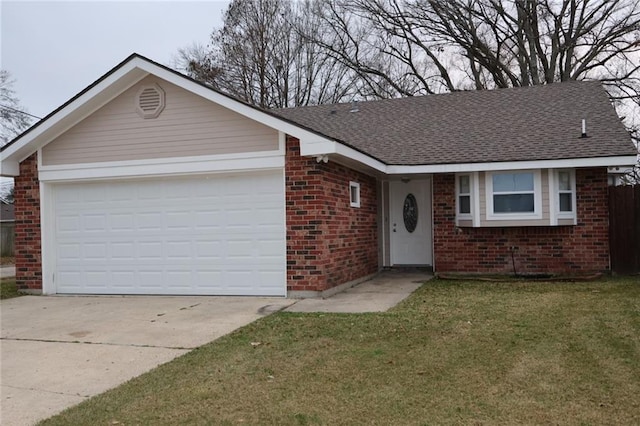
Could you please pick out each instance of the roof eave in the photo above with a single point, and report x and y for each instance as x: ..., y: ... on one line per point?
x: 611, y: 161
x: 115, y: 82
x: 75, y: 110
x: 312, y: 143
x: 319, y: 147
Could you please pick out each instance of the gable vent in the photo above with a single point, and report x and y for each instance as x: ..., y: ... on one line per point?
x: 150, y: 101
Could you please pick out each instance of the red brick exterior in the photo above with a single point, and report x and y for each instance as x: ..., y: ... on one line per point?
x: 555, y: 249
x: 28, y: 242
x: 328, y: 242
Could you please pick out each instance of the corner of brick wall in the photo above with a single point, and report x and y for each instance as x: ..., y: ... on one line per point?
x: 582, y: 248
x: 328, y: 242
x: 28, y: 248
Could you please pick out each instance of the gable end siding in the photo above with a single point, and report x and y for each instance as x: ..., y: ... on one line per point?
x: 188, y: 126
x: 583, y: 248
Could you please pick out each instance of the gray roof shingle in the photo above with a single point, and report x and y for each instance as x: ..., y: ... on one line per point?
x: 517, y: 124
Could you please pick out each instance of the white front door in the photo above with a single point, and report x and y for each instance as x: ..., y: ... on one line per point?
x: 410, y: 222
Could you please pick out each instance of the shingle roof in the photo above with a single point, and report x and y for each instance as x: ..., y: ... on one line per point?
x: 517, y: 124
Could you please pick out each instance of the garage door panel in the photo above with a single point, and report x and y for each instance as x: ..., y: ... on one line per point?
x: 94, y: 251
x: 67, y: 251
x: 220, y: 235
x: 151, y: 280
x: 123, y: 250
x: 208, y: 250
x: 97, y: 279
x: 121, y: 221
x: 122, y: 279
x: 73, y: 280
x: 180, y: 250
x: 67, y: 223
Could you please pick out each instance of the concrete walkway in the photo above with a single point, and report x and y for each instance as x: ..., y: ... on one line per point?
x: 379, y: 294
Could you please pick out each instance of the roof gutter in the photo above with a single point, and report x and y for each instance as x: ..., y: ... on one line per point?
x: 616, y: 161
x: 324, y: 147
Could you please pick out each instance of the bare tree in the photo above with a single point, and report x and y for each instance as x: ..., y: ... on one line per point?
x: 632, y: 176
x: 13, y: 117
x: 281, y: 53
x: 414, y: 47
x: 387, y: 47
x: 263, y: 55
x: 427, y: 46
x: 195, y: 60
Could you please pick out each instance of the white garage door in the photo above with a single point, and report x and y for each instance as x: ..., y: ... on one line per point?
x: 204, y: 235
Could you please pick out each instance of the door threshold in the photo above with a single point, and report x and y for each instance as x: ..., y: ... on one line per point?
x: 409, y: 268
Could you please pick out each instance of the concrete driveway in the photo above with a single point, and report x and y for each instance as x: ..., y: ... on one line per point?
x: 58, y: 351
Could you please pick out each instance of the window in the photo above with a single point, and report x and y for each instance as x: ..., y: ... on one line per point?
x: 565, y: 191
x: 467, y: 199
x: 563, y: 201
x: 354, y: 194
x: 464, y: 195
x: 514, y: 195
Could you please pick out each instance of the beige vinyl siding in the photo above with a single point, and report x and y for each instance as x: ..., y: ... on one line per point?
x: 188, y: 126
x: 545, y: 221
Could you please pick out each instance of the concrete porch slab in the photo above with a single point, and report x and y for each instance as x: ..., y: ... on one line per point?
x: 379, y: 294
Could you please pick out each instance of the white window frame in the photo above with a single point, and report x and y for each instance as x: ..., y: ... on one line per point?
x: 537, y: 197
x: 354, y: 201
x: 459, y: 214
x: 474, y: 201
x: 554, y: 196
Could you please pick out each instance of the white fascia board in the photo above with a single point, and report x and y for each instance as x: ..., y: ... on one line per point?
x: 317, y: 146
x: 9, y: 168
x: 360, y: 157
x: 121, y: 79
x: 513, y: 165
x: 171, y: 166
x: 311, y: 143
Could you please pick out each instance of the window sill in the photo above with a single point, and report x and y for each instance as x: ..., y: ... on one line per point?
x: 514, y: 216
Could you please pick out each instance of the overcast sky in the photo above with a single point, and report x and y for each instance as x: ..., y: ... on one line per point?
x: 55, y: 49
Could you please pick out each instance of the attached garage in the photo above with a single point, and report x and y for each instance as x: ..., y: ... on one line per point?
x: 218, y: 234
x: 149, y: 183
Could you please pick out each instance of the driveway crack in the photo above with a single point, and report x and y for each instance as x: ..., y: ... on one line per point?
x: 47, y: 391
x: 132, y: 345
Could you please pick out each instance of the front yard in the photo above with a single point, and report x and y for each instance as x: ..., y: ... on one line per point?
x: 8, y: 288
x: 455, y: 352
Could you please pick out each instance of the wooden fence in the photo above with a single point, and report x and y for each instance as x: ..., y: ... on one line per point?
x: 7, y: 238
x: 624, y: 228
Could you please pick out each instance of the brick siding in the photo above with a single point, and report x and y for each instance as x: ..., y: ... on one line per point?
x: 576, y: 249
x: 328, y: 242
x: 27, y: 211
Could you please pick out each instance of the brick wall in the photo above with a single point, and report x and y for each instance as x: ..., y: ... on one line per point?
x: 328, y: 242
x: 560, y: 249
x: 27, y: 210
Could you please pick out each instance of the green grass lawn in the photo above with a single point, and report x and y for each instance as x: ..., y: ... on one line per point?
x: 8, y: 288
x: 453, y: 353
